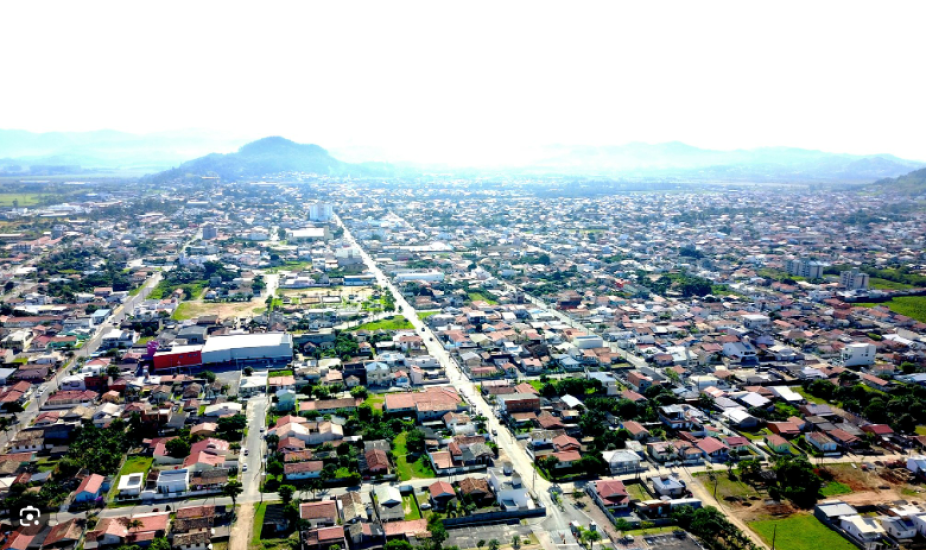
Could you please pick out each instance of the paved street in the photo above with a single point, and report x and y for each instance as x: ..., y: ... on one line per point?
x: 557, y: 520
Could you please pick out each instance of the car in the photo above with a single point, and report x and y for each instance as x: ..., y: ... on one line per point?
x: 244, y: 468
x: 246, y: 451
x: 494, y: 432
x: 262, y: 430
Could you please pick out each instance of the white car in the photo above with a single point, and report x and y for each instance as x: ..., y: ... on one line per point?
x: 244, y: 468
x: 246, y: 452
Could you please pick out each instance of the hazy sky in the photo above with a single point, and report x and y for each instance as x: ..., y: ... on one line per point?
x: 441, y: 81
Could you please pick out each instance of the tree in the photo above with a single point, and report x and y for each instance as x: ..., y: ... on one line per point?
x: 494, y: 544
x: 314, y: 485
x: 592, y: 537
x: 232, y: 489
x: 178, y: 447
x: 286, y: 493
x: 208, y: 375
x: 516, y: 542
x: 414, y: 441
x: 160, y: 543
x: 359, y: 392
x: 398, y: 545
x: 248, y: 371
x: 479, y: 544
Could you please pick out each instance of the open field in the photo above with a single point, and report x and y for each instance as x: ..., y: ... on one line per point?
x: 396, y: 322
x: 884, y: 284
x: 800, y: 532
x: 410, y: 505
x: 420, y: 469
x: 911, y: 306
x: 425, y: 314
x: 192, y: 310
x: 20, y: 199
x: 478, y: 296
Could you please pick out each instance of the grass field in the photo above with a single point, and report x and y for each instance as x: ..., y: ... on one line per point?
x: 420, y: 469
x: 22, y: 199
x: 425, y: 314
x: 834, y: 488
x: 375, y: 401
x: 478, y: 296
x: 727, y: 487
x: 911, y: 306
x: 637, y: 491
x: 884, y: 284
x: 396, y: 322
x: 259, y: 514
x: 410, y: 505
x: 800, y: 532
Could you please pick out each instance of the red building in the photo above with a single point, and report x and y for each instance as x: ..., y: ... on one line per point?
x: 178, y: 356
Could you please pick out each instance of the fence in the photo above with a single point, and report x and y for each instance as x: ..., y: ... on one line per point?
x: 493, y: 517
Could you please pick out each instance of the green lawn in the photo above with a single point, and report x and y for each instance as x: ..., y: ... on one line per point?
x: 834, y: 488
x: 425, y: 314
x: 884, y: 284
x: 411, y: 507
x: 537, y: 384
x: 637, y: 491
x: 374, y: 400
x: 811, y: 398
x: 258, y: 526
x: 420, y: 469
x: 183, y: 312
x: 21, y: 199
x: 727, y: 487
x: 144, y: 340
x: 800, y: 532
x: 911, y: 306
x: 478, y: 296
x: 396, y: 322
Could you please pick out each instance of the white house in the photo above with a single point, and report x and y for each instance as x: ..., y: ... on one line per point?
x: 131, y: 485
x: 739, y: 351
x: 510, y: 492
x: 173, y: 481
x: 858, y: 354
x: 622, y: 461
x: 865, y: 529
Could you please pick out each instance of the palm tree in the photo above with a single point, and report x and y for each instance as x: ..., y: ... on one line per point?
x: 132, y: 523
x: 233, y: 489
x: 592, y: 537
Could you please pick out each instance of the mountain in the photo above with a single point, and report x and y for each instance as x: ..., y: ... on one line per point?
x: 679, y: 160
x: 270, y: 155
x: 911, y: 184
x: 109, y: 149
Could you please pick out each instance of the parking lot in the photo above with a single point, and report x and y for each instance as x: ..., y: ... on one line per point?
x: 468, y: 537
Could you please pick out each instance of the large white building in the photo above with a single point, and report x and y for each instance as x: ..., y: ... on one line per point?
x: 320, y: 212
x: 805, y: 268
x: 248, y: 347
x: 854, y: 280
x: 427, y: 276
x: 858, y: 354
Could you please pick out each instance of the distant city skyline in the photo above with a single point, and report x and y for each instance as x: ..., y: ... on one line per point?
x: 480, y: 85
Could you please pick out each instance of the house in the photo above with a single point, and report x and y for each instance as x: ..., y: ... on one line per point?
x: 821, y: 442
x: 404, y: 530
x: 864, y: 529
x: 303, y: 470
x: 713, y: 449
x: 377, y: 462
x: 477, y: 490
x: 510, y: 492
x: 740, y: 419
x: 611, y: 495
x: 112, y: 531
x: 669, y: 486
x: 777, y: 444
x: 858, y: 354
x: 63, y: 536
x: 173, y: 482
x: 388, y: 503
x: 324, y: 538
x: 441, y: 493
x: 319, y: 514
x: 622, y: 461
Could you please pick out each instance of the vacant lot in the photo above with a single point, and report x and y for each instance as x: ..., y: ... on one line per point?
x: 396, y: 322
x: 19, y: 199
x: 911, y: 306
x: 800, y: 532
x: 478, y: 296
x: 419, y: 469
x: 192, y: 310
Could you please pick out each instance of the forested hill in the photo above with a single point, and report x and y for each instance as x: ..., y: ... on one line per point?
x: 270, y: 155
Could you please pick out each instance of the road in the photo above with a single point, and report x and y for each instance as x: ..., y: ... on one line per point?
x: 557, y: 520
x: 25, y: 418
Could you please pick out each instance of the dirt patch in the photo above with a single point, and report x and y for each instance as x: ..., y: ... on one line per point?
x: 240, y: 535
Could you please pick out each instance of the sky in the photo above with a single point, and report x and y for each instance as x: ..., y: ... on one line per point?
x: 470, y: 82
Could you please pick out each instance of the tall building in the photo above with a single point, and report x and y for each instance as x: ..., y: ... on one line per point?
x: 209, y: 232
x: 805, y: 268
x: 320, y: 212
x: 854, y: 280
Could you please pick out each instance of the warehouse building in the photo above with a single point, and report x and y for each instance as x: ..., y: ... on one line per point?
x: 248, y: 348
x: 178, y: 356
